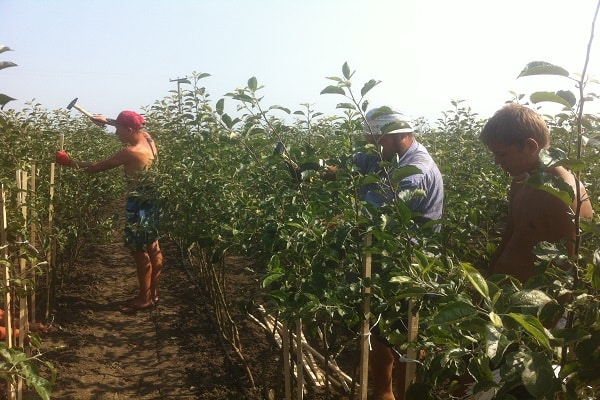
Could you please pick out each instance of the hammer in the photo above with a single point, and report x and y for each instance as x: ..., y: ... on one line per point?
x: 73, y: 104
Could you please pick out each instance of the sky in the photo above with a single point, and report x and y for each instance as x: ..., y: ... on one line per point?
x: 115, y: 55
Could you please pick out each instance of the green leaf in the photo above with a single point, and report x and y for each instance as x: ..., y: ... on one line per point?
x: 552, y: 184
x: 398, y: 174
x: 554, y: 157
x: 4, y: 48
x: 551, y: 156
x: 346, y: 71
x: 571, y: 335
x: 495, y: 319
x: 286, y: 110
x: 453, y: 313
x: 348, y: 106
x: 7, y: 64
x: 274, y: 277
x: 562, y: 98
x: 496, y: 343
x: 333, y: 90
x: 220, y: 106
x: 252, y: 84
x: 543, y: 68
x: 530, y: 298
x: 593, y: 271
x: 534, y: 327
x: 242, y: 97
x: 368, y: 86
x: 537, y: 375
x: 4, y: 99
x: 476, y: 279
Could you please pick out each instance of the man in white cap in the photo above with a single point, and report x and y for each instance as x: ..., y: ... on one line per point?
x: 397, y: 147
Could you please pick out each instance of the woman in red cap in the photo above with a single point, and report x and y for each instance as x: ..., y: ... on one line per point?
x: 141, y: 235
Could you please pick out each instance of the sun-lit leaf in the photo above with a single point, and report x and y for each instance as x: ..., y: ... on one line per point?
x: 529, y: 298
x: 543, y: 68
x: 252, y: 84
x: 552, y: 97
x: 4, y: 48
x: 534, y: 327
x: 285, y: 110
x: 346, y: 71
x: 476, y: 279
x: 333, y: 90
x: 7, y: 64
x: 368, y: 86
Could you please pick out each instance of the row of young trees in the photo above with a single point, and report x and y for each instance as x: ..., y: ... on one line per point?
x: 234, y: 176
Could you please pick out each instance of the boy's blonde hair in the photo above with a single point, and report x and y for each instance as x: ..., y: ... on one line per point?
x: 513, y: 124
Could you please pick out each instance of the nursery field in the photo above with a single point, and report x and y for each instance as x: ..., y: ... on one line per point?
x: 267, y: 285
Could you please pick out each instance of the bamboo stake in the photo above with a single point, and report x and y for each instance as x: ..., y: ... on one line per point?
x: 22, y: 183
x: 365, y: 331
x: 10, y: 389
x: 33, y: 240
x: 50, y: 255
x: 23, y: 314
x: 7, y: 296
x: 51, y: 275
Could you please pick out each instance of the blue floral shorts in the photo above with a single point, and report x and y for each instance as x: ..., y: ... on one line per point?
x: 141, y: 223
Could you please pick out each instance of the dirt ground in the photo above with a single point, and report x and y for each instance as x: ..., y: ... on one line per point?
x: 172, y: 351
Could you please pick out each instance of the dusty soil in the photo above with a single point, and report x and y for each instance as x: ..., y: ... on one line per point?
x: 172, y: 351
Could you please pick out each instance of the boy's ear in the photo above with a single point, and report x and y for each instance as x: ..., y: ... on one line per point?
x: 532, y: 146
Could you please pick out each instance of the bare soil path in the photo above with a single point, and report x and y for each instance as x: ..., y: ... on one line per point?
x: 168, y: 352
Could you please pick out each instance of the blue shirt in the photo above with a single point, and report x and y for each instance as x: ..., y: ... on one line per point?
x: 429, y: 180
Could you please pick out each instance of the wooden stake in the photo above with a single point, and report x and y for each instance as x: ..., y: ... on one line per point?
x: 299, y: 364
x: 413, y: 331
x: 275, y: 326
x: 365, y: 331
x: 287, y: 376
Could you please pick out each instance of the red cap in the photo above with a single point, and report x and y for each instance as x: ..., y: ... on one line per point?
x: 129, y: 119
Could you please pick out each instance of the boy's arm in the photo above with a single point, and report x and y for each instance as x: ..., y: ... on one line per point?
x: 508, y: 232
x: 559, y: 222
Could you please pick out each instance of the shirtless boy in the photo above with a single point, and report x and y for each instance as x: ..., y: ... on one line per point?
x: 138, y: 155
x: 515, y: 135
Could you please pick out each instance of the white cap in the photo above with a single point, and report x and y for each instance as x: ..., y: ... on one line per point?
x: 385, y: 120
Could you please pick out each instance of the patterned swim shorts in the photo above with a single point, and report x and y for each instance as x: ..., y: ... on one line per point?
x: 141, y: 223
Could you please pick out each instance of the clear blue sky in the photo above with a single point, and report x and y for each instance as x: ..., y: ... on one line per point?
x: 122, y: 54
